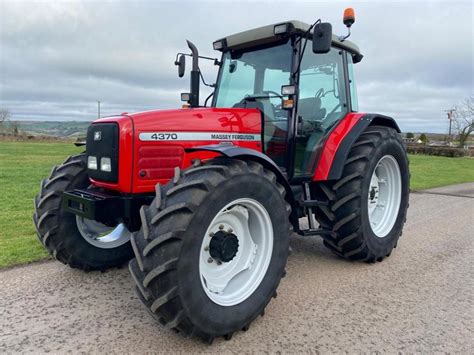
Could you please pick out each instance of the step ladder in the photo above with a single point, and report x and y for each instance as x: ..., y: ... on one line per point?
x: 308, y: 203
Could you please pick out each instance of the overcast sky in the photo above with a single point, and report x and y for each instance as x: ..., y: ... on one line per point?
x: 58, y: 59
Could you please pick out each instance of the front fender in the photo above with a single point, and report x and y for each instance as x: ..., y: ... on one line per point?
x: 235, y: 152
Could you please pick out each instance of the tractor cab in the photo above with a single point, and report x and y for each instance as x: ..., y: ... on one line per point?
x: 299, y: 76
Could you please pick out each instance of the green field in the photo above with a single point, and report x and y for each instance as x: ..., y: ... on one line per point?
x: 24, y: 164
x: 431, y: 171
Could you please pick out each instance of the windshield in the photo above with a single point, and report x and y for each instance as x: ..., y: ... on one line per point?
x: 259, y: 72
x: 254, y: 79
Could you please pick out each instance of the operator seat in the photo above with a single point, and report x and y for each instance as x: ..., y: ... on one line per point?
x: 310, y: 109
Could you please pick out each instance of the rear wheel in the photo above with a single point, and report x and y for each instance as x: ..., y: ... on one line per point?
x: 368, y: 204
x: 212, y: 248
x: 81, y: 243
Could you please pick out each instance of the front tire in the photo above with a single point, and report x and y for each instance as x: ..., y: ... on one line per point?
x: 368, y: 204
x: 194, y: 232
x: 77, y: 242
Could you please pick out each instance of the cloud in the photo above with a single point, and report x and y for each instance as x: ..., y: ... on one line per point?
x: 57, y: 59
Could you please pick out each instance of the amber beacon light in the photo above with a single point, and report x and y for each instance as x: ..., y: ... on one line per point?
x: 349, y: 17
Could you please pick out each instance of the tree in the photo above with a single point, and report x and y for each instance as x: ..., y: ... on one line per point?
x: 410, y: 135
x: 15, y: 129
x: 423, y: 138
x: 463, y: 119
x: 4, y: 115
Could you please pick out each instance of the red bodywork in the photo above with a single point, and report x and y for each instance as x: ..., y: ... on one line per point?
x: 332, y: 144
x: 143, y: 164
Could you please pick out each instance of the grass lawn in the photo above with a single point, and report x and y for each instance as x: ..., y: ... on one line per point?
x: 431, y: 171
x: 24, y: 164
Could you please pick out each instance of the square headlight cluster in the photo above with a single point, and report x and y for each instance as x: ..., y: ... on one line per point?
x: 105, y: 163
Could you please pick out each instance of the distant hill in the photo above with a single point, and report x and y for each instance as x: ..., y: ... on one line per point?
x: 63, y: 129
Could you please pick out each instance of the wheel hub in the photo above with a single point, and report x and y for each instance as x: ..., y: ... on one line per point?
x: 223, y: 246
x: 236, y: 251
x: 373, y: 193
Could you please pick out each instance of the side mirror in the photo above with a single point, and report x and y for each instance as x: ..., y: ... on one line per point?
x: 181, y: 63
x: 322, y: 38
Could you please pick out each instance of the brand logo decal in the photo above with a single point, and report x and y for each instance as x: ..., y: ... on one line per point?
x: 97, y: 135
x: 198, y: 136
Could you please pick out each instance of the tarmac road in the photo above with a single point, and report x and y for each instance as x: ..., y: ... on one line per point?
x: 418, y: 300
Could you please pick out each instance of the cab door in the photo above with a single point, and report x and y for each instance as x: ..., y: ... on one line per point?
x: 322, y: 102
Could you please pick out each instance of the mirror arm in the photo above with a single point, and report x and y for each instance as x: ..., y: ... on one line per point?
x: 207, y: 98
x: 204, y: 82
x: 305, y: 36
x: 215, y: 60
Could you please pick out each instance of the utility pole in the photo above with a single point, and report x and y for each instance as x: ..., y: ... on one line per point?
x: 98, y: 111
x: 450, y: 118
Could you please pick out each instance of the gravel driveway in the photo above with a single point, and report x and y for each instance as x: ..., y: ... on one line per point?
x: 418, y: 300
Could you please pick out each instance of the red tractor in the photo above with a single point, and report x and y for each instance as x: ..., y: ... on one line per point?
x: 205, y: 198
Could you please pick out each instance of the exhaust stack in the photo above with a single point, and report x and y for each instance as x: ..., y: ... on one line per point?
x: 195, y: 73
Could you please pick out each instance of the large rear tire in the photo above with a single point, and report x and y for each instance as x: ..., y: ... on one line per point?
x: 212, y: 248
x: 78, y: 242
x: 368, y: 204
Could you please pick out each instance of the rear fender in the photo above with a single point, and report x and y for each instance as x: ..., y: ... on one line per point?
x: 338, y: 145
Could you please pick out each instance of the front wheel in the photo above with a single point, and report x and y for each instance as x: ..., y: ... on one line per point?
x: 368, y: 204
x: 212, y: 248
x: 78, y: 242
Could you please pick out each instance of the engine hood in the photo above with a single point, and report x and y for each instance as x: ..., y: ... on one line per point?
x: 153, y: 143
x: 228, y: 120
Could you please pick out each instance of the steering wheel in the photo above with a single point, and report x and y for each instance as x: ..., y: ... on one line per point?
x: 319, y: 93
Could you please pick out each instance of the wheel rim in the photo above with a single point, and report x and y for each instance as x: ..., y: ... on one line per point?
x: 228, y: 283
x: 102, y: 236
x: 384, y: 196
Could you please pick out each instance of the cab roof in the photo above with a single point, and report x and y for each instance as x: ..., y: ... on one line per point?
x: 265, y: 35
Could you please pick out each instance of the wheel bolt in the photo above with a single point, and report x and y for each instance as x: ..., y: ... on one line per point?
x: 221, y: 226
x: 210, y: 260
x: 211, y: 234
x: 206, y: 248
x: 219, y: 262
x: 230, y: 230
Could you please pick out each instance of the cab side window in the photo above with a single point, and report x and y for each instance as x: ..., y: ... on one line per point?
x: 352, y: 84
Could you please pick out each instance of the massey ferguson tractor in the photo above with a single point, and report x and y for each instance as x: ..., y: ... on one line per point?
x: 204, y: 199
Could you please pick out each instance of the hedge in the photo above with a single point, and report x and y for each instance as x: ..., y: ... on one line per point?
x: 439, y: 151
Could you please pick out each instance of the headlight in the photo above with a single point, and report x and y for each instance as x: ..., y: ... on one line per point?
x: 281, y: 29
x: 105, y: 164
x: 220, y: 45
x: 92, y: 162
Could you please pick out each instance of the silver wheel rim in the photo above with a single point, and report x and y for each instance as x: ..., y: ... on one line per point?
x: 384, y: 198
x: 230, y: 283
x: 102, y: 236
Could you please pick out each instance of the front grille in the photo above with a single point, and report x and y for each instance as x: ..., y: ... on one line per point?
x: 103, y: 141
x: 159, y: 161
